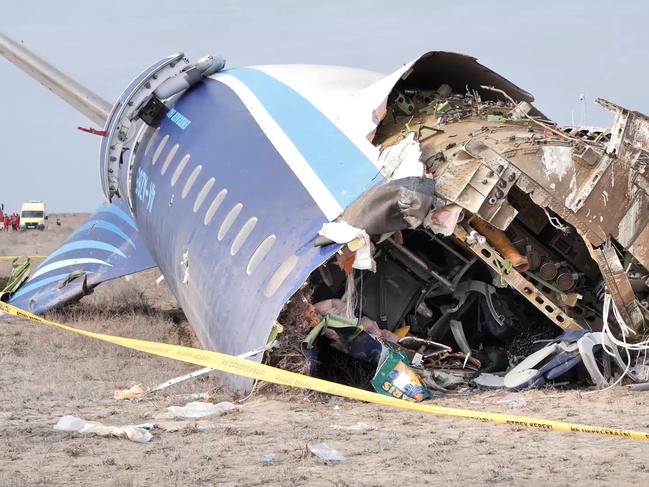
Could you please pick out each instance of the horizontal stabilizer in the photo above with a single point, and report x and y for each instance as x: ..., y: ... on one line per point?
x: 82, y: 99
x: 105, y: 247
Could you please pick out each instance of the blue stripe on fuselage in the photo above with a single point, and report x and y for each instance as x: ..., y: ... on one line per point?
x: 225, y: 139
x: 339, y: 164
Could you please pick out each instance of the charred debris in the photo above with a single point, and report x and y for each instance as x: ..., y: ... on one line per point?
x: 504, y: 250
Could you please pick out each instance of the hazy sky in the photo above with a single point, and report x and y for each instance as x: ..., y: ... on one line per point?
x: 553, y: 49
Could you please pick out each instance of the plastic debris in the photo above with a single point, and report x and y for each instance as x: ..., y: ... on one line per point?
x: 513, y: 401
x: 387, y: 440
x: 78, y: 425
x: 198, y: 409
x: 587, y: 344
x: 489, y: 381
x: 325, y: 453
x: 356, y: 428
x: 134, y: 392
x: 394, y: 377
x: 268, y: 458
x: 449, y: 379
x: 343, y: 233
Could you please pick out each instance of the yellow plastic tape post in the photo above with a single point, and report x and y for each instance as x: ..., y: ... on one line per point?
x: 253, y: 370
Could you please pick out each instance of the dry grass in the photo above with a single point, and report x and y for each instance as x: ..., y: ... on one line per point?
x: 297, y: 318
x: 80, y: 371
x: 47, y: 373
x: 119, y: 300
x: 130, y: 308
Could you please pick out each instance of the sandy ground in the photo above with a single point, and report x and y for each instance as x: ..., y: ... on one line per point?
x: 48, y: 373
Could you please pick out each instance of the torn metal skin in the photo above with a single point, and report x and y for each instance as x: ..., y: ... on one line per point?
x: 492, y: 153
x: 496, y: 230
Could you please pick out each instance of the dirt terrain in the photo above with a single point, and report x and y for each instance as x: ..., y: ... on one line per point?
x: 48, y: 373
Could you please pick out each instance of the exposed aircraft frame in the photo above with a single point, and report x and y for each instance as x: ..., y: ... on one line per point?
x: 442, y: 144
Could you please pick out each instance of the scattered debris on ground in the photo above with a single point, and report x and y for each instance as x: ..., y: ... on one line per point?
x: 325, y: 453
x: 491, y: 270
x: 78, y: 425
x: 52, y: 374
x: 197, y: 409
x: 136, y: 391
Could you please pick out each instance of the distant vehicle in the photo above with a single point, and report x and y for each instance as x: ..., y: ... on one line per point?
x: 33, y: 216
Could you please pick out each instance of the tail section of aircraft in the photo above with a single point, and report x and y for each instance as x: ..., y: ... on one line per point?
x: 106, y: 246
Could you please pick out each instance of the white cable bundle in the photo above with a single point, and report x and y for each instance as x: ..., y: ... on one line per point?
x: 350, y: 296
x: 642, y: 346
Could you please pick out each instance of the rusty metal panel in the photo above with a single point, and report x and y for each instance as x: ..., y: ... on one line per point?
x: 640, y: 247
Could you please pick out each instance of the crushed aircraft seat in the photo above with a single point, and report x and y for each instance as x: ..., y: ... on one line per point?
x: 496, y: 312
x: 587, y: 345
x: 539, y: 367
x: 390, y: 294
x: 562, y: 355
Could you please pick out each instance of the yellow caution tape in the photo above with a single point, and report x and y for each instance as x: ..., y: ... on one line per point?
x: 13, y: 257
x: 254, y: 370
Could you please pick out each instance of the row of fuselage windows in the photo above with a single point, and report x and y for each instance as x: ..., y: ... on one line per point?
x: 246, y: 229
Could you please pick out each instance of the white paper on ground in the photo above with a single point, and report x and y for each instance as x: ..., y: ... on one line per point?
x: 326, y: 453
x: 197, y: 409
x: 74, y: 424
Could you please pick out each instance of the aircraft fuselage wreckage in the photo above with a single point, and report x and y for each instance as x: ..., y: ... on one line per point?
x: 433, y: 196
